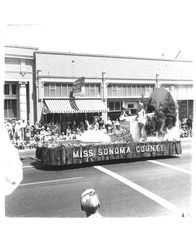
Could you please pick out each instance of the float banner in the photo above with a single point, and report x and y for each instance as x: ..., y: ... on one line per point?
x: 80, y: 153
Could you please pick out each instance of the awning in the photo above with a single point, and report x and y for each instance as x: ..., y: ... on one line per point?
x: 74, y: 106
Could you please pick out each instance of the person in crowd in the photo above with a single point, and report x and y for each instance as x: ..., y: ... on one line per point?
x: 73, y: 134
x: 54, y: 128
x: 123, y: 114
x: 95, y: 124
x: 117, y: 124
x: 103, y: 129
x: 9, y: 129
x: 129, y: 113
x: 37, y: 137
x: 90, y: 203
x: 62, y: 136
x: 189, y: 122
x: 108, y: 125
x: 28, y: 132
x: 101, y: 122
x: 82, y: 127
x: 43, y: 132
x: 23, y: 126
x: 141, y: 118
x: 17, y: 129
x: 69, y: 135
x: 37, y: 127
x: 68, y: 130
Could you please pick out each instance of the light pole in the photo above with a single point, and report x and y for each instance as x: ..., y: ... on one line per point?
x: 104, y: 98
x: 157, y: 81
x: 104, y: 95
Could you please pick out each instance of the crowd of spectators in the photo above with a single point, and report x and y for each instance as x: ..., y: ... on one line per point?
x: 186, y: 127
x: 23, y: 134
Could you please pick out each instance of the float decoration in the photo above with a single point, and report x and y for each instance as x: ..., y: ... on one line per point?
x: 161, y: 138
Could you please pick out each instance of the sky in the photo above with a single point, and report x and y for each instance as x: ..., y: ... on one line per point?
x: 131, y: 28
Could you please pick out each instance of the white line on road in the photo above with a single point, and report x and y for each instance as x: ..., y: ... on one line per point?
x: 170, y: 166
x: 50, y: 181
x: 27, y: 166
x: 143, y: 191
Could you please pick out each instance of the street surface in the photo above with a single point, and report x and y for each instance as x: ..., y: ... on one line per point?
x: 156, y: 187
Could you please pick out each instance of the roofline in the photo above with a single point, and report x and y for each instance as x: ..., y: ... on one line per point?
x: 108, y: 56
x: 114, y: 78
x: 21, y: 47
x: 16, y: 56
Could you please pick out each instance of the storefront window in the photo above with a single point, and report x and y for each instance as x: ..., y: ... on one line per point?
x: 115, y: 106
x: 111, y: 106
x: 10, y: 108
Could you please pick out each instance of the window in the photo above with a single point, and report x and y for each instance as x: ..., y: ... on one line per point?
x: 6, y: 89
x: 138, y: 90
x: 46, y: 89
x: 58, y: 90
x: 114, y: 90
x: 52, y: 89
x: 92, y: 90
x: 64, y: 92
x: 115, y: 106
x: 10, y: 89
x: 109, y: 90
x: 10, y: 108
x: 133, y: 90
x: 124, y: 92
x: 13, y: 89
x: 111, y: 106
x: 130, y: 105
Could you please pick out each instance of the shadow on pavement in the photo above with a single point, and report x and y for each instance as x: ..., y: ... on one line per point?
x: 38, y: 164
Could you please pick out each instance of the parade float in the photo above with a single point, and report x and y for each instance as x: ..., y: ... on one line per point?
x: 159, y: 136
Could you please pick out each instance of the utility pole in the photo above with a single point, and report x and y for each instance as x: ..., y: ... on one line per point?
x: 104, y: 98
x: 104, y: 94
x: 157, y: 81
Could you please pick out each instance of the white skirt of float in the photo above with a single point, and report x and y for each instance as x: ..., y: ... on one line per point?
x: 94, y: 136
x: 173, y: 134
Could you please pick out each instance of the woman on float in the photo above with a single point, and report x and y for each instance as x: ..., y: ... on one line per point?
x: 141, y: 118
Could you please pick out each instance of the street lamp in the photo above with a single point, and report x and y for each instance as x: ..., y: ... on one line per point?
x: 157, y: 81
x: 103, y: 86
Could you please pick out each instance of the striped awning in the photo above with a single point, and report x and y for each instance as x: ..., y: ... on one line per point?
x: 74, y: 106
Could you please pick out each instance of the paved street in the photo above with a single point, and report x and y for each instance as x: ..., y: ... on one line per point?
x: 156, y: 187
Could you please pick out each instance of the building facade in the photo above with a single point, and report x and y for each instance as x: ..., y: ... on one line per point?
x: 41, y: 82
x: 119, y: 81
x: 19, y: 83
